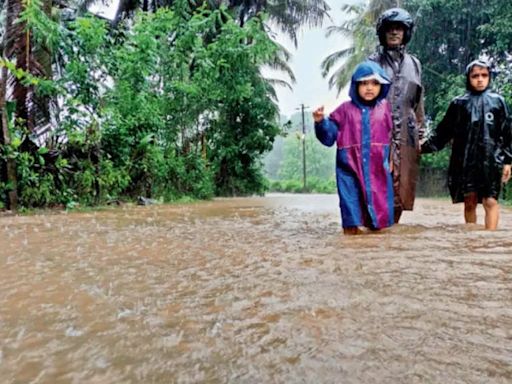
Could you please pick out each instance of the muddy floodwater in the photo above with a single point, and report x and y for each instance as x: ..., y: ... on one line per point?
x: 254, y: 290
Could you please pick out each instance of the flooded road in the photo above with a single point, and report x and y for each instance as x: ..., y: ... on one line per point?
x: 256, y: 290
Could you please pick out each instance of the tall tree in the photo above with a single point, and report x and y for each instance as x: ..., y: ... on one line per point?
x: 13, y: 44
x: 288, y: 16
x: 497, y: 28
x: 447, y: 37
x: 7, y: 169
x: 26, y: 52
x: 360, y: 28
x: 30, y: 53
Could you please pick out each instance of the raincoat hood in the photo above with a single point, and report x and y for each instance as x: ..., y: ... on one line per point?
x: 395, y: 15
x: 369, y: 70
x: 470, y: 66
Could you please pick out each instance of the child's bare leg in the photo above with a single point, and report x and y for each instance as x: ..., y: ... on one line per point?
x: 470, y: 203
x: 351, y: 231
x: 492, y: 212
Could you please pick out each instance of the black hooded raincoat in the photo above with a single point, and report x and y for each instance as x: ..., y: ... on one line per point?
x: 481, y: 129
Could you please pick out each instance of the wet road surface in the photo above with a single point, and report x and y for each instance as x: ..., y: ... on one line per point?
x: 254, y: 290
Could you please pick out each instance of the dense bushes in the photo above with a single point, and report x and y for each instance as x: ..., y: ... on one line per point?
x: 172, y: 106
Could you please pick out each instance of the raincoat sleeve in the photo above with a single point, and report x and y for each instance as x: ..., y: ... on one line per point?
x: 444, y: 131
x: 507, y: 135
x: 326, y: 132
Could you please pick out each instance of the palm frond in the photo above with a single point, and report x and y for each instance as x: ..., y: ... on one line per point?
x: 279, y: 64
x: 288, y: 16
x: 279, y: 82
x: 334, y: 58
x: 361, y: 28
x: 343, y: 74
x: 343, y: 29
x: 271, y: 91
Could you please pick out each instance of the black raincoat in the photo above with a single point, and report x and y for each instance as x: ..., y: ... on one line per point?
x: 481, y: 129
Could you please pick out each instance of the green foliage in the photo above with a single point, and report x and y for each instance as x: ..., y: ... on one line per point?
x: 320, y: 160
x: 286, y: 163
x: 496, y: 31
x: 172, y: 106
x: 451, y: 33
x: 43, y: 30
x: 438, y: 160
x: 448, y: 35
x: 506, y: 193
x: 247, y: 120
x: 451, y: 86
x: 360, y: 26
x: 503, y: 81
x: 314, y: 185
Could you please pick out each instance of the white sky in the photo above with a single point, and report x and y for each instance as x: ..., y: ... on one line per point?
x: 105, y: 8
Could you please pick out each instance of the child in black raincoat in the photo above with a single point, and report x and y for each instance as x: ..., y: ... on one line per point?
x: 480, y: 126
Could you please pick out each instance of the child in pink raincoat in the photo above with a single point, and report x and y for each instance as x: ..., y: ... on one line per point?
x: 361, y: 129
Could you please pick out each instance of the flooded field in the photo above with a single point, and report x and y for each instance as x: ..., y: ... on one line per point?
x: 254, y: 290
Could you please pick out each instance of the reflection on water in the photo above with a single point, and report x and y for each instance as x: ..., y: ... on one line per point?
x: 256, y: 290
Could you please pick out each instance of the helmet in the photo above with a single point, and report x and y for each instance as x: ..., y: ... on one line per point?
x: 395, y: 15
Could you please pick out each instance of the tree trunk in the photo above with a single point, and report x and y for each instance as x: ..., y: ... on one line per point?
x: 9, y: 168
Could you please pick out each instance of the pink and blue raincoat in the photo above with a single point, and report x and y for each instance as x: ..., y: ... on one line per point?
x: 362, y: 132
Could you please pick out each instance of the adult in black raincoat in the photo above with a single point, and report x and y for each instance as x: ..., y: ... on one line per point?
x: 480, y: 126
x: 394, y: 29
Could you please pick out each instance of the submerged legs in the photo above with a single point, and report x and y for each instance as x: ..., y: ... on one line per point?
x: 492, y: 212
x: 470, y: 203
x: 491, y: 207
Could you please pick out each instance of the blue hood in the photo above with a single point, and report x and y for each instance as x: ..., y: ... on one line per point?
x: 367, y: 68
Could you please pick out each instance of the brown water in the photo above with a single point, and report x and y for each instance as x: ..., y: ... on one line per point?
x: 257, y: 290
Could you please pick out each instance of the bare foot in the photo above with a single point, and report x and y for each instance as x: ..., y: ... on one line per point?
x: 352, y: 231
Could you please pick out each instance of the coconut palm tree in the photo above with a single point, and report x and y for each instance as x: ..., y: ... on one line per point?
x: 10, y: 33
x: 361, y: 29
x: 288, y: 16
x: 32, y: 58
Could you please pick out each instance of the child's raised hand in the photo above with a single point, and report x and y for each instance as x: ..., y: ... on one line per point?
x: 318, y: 114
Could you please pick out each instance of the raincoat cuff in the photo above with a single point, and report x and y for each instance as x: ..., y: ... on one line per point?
x: 326, y: 131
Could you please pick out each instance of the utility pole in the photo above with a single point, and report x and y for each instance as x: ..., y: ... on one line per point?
x: 302, y: 108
